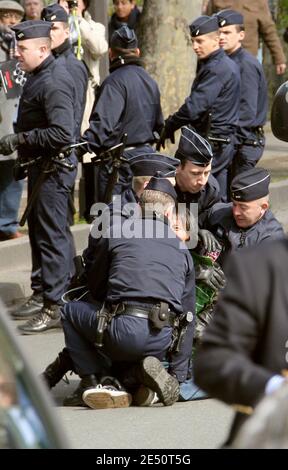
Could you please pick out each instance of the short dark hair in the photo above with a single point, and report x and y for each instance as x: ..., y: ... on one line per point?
x: 124, y: 52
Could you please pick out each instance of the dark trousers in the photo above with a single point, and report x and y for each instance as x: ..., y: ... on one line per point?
x: 222, y: 159
x: 50, y: 237
x: 246, y: 157
x: 127, y: 339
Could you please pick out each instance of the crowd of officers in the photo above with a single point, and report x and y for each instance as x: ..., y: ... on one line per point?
x: 130, y: 336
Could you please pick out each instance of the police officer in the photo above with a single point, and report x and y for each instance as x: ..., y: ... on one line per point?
x: 45, y: 124
x: 143, y: 307
x: 247, y: 221
x: 63, y: 52
x: 254, y: 95
x: 194, y: 182
x: 128, y: 102
x: 213, y: 105
x: 244, y: 349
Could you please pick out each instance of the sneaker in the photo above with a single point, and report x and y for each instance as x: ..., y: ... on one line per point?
x: 106, y: 396
x: 155, y: 377
x: 145, y: 397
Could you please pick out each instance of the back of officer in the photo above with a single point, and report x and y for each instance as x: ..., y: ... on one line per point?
x: 45, y: 124
x: 143, y: 167
x: 194, y: 182
x: 63, y: 52
x: 213, y: 105
x: 146, y: 281
x: 128, y: 102
x: 254, y: 94
x: 247, y: 221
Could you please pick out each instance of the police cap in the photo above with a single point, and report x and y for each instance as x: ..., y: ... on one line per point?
x: 193, y: 147
x: 203, y: 25
x: 159, y: 182
x: 53, y: 13
x: 11, y: 6
x: 32, y: 29
x: 229, y: 17
x: 250, y: 185
x: 124, y: 38
x: 148, y: 164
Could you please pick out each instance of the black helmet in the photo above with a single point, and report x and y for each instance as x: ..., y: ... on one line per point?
x: 279, y: 113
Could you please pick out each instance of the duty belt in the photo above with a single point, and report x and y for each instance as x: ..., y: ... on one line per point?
x: 158, y: 314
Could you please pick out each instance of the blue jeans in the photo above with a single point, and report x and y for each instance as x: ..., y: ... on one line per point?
x: 10, y: 195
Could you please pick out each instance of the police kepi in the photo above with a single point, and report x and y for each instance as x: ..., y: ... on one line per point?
x: 54, y: 12
x: 203, y: 25
x: 124, y: 38
x: 250, y: 185
x: 229, y: 18
x: 32, y: 29
x: 159, y: 182
x: 193, y: 147
x: 148, y: 164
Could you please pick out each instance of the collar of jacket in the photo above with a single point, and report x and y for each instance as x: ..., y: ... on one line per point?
x: 64, y: 47
x: 214, y: 55
x: 44, y: 64
x: 128, y: 60
x: 132, y: 19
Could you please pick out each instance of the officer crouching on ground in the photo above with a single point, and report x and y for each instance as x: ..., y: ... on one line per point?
x: 147, y: 285
x: 45, y: 124
x: 247, y: 220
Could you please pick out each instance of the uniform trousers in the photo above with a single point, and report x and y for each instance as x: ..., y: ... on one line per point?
x: 50, y: 237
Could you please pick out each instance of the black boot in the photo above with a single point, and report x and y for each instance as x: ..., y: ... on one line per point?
x: 58, y: 368
x: 31, y: 307
x: 75, y: 399
x: 49, y: 317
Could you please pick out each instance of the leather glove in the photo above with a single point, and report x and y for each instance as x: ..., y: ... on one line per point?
x: 167, y: 132
x: 208, y: 240
x: 212, y: 276
x: 9, y: 143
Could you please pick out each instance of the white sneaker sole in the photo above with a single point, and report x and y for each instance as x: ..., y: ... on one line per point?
x: 102, y: 399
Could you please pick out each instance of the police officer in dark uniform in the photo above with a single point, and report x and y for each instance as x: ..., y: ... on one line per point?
x: 244, y: 349
x: 247, y: 220
x: 128, y: 102
x: 254, y: 94
x: 63, y: 52
x: 45, y: 124
x: 141, y: 309
x: 194, y: 182
x: 213, y: 105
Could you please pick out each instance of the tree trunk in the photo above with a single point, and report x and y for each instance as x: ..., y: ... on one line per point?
x: 166, y: 47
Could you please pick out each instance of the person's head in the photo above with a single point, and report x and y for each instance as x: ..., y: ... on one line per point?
x: 57, y: 16
x: 231, y: 26
x: 204, y: 33
x: 33, y: 9
x: 123, y: 43
x: 159, y: 196
x: 123, y: 9
x: 250, y: 196
x: 64, y: 4
x: 146, y: 165
x: 10, y: 12
x: 33, y: 43
x: 195, y: 154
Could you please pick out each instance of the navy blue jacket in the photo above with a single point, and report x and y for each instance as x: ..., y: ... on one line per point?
x: 79, y: 74
x: 206, y: 198
x: 222, y: 224
x: 215, y: 90
x: 46, y: 110
x: 128, y: 102
x: 254, y: 95
x: 147, y: 269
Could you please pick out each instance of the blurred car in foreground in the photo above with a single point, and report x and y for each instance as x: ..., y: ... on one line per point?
x: 27, y: 419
